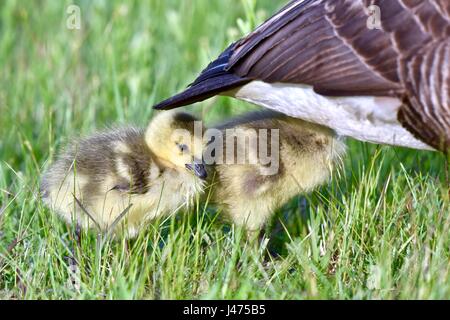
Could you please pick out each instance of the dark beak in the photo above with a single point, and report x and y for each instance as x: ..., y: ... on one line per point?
x: 198, y: 169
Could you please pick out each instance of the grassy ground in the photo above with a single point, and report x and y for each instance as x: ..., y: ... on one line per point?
x: 380, y: 230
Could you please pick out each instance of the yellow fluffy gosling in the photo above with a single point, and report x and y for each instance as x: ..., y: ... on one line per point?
x: 302, y: 158
x: 157, y: 171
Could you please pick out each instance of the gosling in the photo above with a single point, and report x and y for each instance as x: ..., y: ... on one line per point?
x: 123, y: 178
x: 249, y: 189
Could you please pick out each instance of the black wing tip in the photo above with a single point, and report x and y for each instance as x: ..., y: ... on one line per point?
x: 201, y: 91
x: 171, y: 103
x: 216, y: 78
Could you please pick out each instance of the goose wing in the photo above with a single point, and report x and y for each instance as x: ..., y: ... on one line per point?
x: 326, y: 44
x: 331, y: 46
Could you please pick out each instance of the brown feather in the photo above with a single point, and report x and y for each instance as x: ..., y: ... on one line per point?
x: 326, y: 44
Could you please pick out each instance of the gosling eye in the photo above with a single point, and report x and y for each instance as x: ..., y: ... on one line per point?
x: 183, y: 148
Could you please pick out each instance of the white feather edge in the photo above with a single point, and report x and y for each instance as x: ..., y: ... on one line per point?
x: 366, y: 118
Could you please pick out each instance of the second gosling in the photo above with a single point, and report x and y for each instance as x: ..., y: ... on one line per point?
x: 250, y: 191
x: 125, y: 177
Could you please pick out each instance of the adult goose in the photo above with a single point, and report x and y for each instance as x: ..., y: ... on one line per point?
x: 374, y: 70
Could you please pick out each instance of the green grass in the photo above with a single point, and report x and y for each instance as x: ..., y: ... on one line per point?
x: 380, y: 230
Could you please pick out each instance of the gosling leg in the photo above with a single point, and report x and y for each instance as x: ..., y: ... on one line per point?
x: 251, y: 218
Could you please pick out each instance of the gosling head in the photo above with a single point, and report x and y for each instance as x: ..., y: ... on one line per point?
x: 174, y: 140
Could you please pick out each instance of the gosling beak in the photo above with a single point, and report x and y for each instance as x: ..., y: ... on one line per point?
x: 198, y: 169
